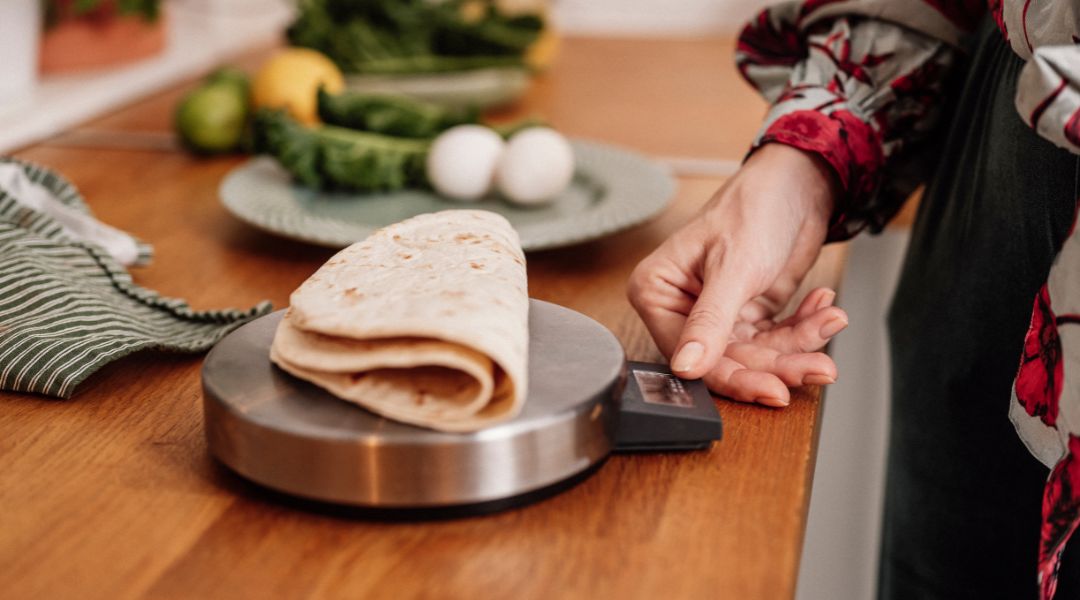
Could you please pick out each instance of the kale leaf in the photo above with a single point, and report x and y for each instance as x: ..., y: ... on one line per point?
x: 329, y: 157
x: 414, y: 36
x: 389, y: 114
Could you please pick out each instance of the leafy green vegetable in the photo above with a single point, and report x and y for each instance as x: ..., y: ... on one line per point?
x: 389, y: 154
x: 294, y: 146
x: 413, y: 36
x: 390, y: 114
x: 368, y: 161
x: 335, y: 157
x: 403, y: 116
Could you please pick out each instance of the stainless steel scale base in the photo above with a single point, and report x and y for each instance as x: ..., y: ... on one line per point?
x: 293, y: 437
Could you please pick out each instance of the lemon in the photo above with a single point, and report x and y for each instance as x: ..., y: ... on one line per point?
x: 211, y: 119
x: 290, y: 80
x: 543, y: 51
x: 473, y: 11
x: 515, y: 8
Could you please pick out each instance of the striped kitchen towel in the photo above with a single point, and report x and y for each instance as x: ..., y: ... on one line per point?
x: 67, y: 305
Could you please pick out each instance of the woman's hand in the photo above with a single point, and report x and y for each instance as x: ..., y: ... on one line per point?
x: 708, y: 294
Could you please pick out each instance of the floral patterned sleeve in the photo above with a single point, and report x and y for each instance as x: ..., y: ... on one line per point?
x: 1048, y: 94
x: 859, y: 83
x: 1045, y: 407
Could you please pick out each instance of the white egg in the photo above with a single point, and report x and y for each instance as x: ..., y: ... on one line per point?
x: 536, y: 166
x: 462, y: 160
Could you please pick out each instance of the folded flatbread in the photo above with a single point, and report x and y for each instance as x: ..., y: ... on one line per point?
x: 425, y: 321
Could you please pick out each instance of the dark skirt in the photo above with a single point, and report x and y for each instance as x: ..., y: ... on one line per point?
x: 963, y: 495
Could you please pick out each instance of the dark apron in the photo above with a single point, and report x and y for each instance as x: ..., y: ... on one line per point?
x: 963, y: 495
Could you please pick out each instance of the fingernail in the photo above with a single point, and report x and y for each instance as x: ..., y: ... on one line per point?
x: 687, y: 357
x: 833, y: 327
x: 770, y: 401
x: 817, y: 379
x: 826, y: 299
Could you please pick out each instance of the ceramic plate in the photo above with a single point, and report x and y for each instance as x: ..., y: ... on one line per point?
x: 612, y: 190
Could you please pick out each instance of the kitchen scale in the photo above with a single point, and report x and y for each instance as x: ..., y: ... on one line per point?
x: 584, y: 401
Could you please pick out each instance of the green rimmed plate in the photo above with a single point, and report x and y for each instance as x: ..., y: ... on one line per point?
x: 612, y: 189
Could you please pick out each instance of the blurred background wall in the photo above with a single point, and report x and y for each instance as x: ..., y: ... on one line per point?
x: 654, y: 17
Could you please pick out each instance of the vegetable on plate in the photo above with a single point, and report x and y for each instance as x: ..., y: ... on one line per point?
x: 416, y: 36
x: 370, y: 142
x: 390, y: 114
x: 327, y: 156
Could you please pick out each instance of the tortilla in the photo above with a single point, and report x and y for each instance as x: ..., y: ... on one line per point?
x: 425, y: 322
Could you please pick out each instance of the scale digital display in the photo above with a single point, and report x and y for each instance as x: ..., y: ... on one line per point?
x: 663, y: 388
x: 659, y: 411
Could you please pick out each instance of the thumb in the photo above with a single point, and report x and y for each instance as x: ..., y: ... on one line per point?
x: 707, y: 329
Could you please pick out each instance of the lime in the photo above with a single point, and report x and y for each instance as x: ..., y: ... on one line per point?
x: 290, y: 80
x: 211, y: 118
x: 231, y: 76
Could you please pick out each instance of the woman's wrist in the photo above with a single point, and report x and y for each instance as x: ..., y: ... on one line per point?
x: 817, y: 180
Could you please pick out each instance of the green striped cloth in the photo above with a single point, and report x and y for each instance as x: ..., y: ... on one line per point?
x: 67, y: 305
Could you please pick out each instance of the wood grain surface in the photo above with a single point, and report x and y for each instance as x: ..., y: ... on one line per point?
x: 112, y: 494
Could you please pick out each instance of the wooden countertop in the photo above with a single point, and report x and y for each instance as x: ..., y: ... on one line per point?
x: 113, y: 495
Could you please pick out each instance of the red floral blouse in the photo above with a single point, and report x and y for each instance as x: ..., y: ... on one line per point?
x: 857, y: 82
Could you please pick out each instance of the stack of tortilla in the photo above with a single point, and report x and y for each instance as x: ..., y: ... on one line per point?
x: 425, y: 322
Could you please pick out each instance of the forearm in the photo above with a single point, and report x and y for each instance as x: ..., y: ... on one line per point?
x: 859, y: 93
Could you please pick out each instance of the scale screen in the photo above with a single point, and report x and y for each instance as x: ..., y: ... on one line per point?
x: 660, y: 411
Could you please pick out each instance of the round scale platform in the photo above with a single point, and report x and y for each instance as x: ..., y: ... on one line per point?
x: 294, y: 437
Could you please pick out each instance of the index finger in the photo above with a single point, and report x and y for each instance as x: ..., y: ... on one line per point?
x: 662, y: 296
x: 708, y: 327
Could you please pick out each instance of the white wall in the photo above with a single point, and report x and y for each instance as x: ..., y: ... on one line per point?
x: 654, y: 17
x: 843, y: 532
